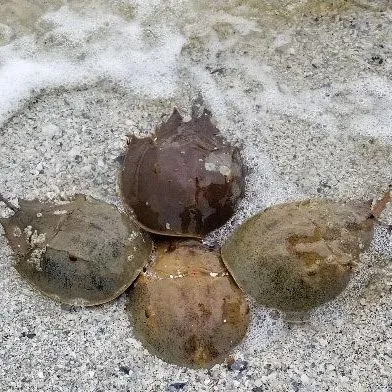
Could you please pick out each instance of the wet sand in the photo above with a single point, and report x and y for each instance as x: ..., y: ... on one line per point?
x: 303, y: 87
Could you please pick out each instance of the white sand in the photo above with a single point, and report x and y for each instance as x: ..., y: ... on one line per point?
x: 303, y: 86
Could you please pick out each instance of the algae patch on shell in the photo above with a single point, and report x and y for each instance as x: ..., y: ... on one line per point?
x: 186, y: 309
x: 296, y: 256
x: 84, y: 252
x: 184, y: 182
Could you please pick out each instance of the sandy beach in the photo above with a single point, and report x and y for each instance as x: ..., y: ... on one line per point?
x: 302, y: 87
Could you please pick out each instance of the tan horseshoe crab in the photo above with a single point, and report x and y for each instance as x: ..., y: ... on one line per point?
x: 297, y: 256
x: 186, y: 309
x: 84, y: 252
x: 183, y: 182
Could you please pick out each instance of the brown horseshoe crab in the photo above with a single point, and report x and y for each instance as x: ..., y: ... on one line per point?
x: 84, y: 252
x: 184, y: 182
x: 296, y: 256
x: 186, y: 309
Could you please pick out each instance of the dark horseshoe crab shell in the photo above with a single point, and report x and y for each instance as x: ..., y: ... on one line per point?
x: 296, y: 256
x: 184, y: 182
x: 186, y: 309
x: 84, y: 252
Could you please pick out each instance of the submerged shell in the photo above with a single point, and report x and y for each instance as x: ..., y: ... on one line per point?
x: 186, y: 181
x: 84, y: 252
x: 186, y: 309
x: 299, y: 255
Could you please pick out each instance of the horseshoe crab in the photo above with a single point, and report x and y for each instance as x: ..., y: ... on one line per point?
x: 84, y: 252
x: 186, y: 309
x: 296, y: 256
x: 184, y: 182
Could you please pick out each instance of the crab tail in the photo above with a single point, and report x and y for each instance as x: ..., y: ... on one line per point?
x: 379, y: 205
x: 7, y: 203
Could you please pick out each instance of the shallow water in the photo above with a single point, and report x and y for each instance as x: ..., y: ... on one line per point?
x: 304, y: 87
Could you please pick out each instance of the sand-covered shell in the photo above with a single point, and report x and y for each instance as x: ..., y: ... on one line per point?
x: 296, y: 256
x: 185, y: 181
x: 186, y: 309
x: 84, y: 252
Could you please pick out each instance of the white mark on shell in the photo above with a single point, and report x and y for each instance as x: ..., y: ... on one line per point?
x: 224, y: 170
x: 17, y: 232
x: 209, y: 166
x: 60, y: 212
x: 218, y: 161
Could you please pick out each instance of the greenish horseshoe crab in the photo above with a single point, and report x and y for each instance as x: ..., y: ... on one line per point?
x: 296, y: 256
x: 186, y: 309
x: 84, y: 252
x: 183, y: 182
